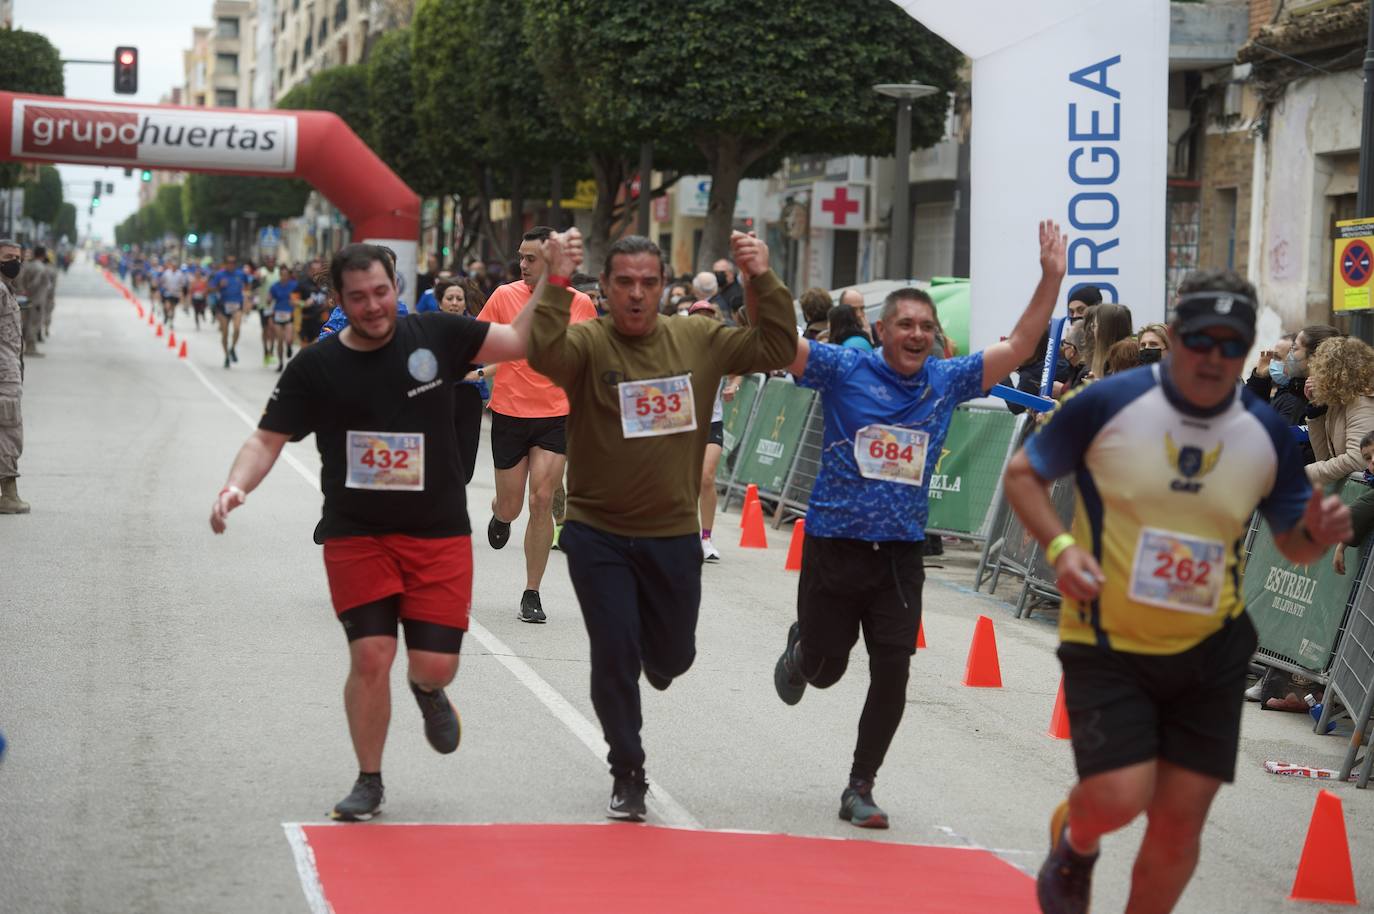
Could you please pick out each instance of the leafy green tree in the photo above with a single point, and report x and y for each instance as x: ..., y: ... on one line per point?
x: 393, y: 132
x: 43, y: 197
x: 210, y: 202
x: 65, y: 224
x: 28, y: 63
x: 168, y: 204
x: 742, y: 80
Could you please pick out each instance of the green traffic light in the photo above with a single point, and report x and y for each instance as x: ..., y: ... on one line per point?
x: 192, y: 238
x: 147, y: 176
x: 95, y: 201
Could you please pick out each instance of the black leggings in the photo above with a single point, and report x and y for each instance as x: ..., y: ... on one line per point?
x: 467, y: 420
x: 888, y: 668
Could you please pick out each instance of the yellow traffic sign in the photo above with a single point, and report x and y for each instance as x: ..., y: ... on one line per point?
x: 1352, y: 265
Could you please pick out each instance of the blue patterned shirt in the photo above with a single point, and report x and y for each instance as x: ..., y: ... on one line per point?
x: 858, y: 389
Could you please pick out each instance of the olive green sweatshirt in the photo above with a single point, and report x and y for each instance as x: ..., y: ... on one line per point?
x: 648, y: 486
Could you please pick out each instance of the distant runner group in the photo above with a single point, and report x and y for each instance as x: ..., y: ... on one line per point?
x: 625, y: 403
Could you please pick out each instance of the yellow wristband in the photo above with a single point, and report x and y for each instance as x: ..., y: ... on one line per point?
x: 1057, y: 546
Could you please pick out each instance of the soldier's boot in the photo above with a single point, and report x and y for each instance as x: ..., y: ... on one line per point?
x: 10, y: 502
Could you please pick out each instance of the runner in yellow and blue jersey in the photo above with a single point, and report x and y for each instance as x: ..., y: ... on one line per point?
x: 1170, y: 461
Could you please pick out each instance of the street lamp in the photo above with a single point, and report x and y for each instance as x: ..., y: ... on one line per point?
x: 899, y: 247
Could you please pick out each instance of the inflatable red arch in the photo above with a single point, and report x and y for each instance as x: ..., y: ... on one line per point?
x: 316, y: 146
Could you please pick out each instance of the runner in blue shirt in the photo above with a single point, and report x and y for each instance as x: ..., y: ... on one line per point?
x: 229, y: 283
x: 283, y: 314
x: 886, y: 417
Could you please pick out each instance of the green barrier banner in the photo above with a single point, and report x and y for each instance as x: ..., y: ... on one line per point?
x: 967, y: 473
x: 766, y: 454
x: 1298, y: 608
x: 735, y: 414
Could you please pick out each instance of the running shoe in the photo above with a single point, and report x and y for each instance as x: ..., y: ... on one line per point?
x: 657, y: 680
x: 530, y: 608
x: 1064, y: 884
x: 233, y: 353
x: 627, y: 798
x: 363, y: 802
x: 708, y: 551
x: 787, y: 679
x: 557, y: 535
x: 267, y: 358
x: 498, y: 532
x: 226, y: 360
x: 443, y: 729
x: 857, y: 806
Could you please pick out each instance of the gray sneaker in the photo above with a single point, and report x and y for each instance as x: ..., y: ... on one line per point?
x: 857, y: 806
x: 363, y: 802
x: 443, y: 729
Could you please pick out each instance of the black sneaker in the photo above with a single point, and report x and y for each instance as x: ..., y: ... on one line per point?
x: 1064, y: 884
x: 226, y: 360
x: 656, y: 680
x: 530, y: 608
x: 363, y: 802
x: 233, y: 353
x: 627, y: 798
x: 498, y: 532
x: 787, y: 679
x: 443, y: 729
x: 857, y: 806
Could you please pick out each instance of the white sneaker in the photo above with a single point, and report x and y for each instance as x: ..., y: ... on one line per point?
x: 1253, y: 693
x: 709, y: 551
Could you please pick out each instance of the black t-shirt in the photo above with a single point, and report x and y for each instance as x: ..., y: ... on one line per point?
x: 373, y: 413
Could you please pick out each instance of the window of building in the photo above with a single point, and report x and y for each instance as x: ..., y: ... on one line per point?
x: 293, y: 63
x: 227, y: 64
x: 281, y: 77
x: 226, y: 98
x: 309, y: 46
x: 340, y: 13
x: 199, y: 73
x: 324, y: 31
x: 343, y: 50
x: 283, y: 21
x: 227, y: 27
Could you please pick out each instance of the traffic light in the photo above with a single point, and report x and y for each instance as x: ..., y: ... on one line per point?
x: 146, y: 176
x: 192, y: 238
x: 125, y: 70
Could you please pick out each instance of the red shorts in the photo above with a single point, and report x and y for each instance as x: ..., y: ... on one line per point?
x: 433, y: 577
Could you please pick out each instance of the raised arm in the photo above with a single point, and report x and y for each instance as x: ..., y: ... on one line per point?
x: 770, y: 340
x: 562, y: 255
x: 1001, y: 359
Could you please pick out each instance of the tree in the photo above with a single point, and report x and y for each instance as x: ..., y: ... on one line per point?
x: 43, y: 197
x: 798, y: 80
x: 393, y: 132
x: 168, y: 204
x: 28, y: 63
x: 210, y: 203
x: 65, y: 224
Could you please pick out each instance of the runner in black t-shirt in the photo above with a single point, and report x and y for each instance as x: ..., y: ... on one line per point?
x: 379, y: 398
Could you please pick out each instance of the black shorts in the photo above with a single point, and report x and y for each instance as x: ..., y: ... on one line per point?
x: 1183, y: 708
x: 171, y: 299
x: 512, y: 438
x: 847, y: 585
x: 717, y: 436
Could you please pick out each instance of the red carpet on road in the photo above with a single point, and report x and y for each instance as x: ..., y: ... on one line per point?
x: 595, y: 869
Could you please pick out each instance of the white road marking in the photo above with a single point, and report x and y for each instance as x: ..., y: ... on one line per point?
x: 305, y: 868
x: 666, y: 809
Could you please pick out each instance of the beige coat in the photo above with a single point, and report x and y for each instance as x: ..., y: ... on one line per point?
x: 1336, y: 440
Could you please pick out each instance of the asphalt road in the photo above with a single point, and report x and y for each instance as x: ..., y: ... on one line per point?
x: 172, y: 698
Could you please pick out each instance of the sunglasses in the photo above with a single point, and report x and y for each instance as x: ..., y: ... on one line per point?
x: 1204, y: 342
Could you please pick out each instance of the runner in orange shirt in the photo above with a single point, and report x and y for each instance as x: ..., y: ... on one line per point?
x: 528, y: 441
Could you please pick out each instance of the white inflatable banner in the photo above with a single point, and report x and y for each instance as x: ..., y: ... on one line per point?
x: 1070, y: 117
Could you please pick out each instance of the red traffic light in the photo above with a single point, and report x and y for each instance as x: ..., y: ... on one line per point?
x: 125, y: 70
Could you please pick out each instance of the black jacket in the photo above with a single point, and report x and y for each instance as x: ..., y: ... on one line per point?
x: 1289, y: 400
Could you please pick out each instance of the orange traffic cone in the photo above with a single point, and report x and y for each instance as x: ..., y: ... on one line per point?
x: 150, y: 318
x: 1324, y: 873
x: 751, y: 496
x: 1059, y: 720
x: 794, y: 548
x: 182, y: 353
x: 159, y: 330
x: 172, y: 340
x: 921, y: 635
x: 983, y: 671
x: 753, y: 537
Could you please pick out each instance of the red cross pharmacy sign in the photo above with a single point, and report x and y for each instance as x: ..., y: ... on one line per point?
x: 837, y: 206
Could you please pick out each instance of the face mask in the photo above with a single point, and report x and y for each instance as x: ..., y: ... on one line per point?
x: 10, y: 268
x: 1277, y: 373
x: 721, y: 279
x: 1150, y: 356
x: 1294, y: 367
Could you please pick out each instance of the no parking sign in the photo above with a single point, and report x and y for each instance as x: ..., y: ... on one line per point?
x: 1352, y: 265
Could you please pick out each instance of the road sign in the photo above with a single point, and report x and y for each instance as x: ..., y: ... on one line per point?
x: 269, y: 237
x: 837, y: 206
x: 1352, y: 265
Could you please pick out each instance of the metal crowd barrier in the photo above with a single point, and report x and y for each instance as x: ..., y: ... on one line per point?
x: 1351, y: 678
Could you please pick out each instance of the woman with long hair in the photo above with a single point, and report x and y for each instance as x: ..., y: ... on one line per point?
x: 1341, y: 378
x: 461, y: 296
x: 845, y: 329
x: 1107, y: 324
